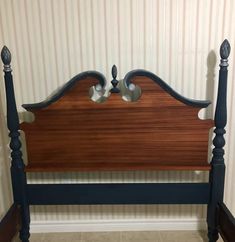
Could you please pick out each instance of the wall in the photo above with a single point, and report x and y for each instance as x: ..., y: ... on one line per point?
x: 179, y: 40
x: 5, y: 181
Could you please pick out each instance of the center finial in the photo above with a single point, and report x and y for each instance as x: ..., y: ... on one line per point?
x: 114, y: 82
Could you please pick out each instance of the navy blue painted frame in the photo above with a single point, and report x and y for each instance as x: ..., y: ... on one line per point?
x: 210, y: 193
x: 119, y: 193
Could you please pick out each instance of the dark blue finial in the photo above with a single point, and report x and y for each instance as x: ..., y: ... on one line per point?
x: 114, y: 71
x: 224, y: 53
x: 114, y: 82
x: 6, y: 58
x: 225, y: 49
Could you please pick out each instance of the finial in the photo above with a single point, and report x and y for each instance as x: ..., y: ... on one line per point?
x: 114, y: 71
x: 114, y: 81
x: 224, y: 53
x: 6, y: 58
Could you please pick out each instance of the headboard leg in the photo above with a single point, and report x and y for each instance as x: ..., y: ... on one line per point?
x: 217, y: 172
x: 217, y: 190
x: 25, y: 221
x: 18, y: 176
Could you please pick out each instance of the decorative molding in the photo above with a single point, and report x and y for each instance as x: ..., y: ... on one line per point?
x: 67, y: 86
x: 117, y: 225
x: 139, y: 72
x: 127, y: 82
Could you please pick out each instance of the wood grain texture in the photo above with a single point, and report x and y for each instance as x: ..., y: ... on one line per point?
x: 156, y: 132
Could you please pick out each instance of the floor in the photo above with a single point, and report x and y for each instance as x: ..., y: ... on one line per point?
x: 149, y: 236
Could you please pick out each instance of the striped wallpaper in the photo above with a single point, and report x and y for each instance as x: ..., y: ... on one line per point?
x: 52, y: 40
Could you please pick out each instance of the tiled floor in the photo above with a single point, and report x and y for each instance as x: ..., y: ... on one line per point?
x: 149, y: 236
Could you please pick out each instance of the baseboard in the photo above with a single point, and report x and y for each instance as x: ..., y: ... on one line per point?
x: 117, y: 225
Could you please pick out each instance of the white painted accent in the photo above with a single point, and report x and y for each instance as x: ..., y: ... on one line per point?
x: 117, y: 225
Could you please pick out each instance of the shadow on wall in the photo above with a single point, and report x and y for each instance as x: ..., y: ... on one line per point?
x: 210, y: 94
x: 210, y: 82
x: 5, y: 181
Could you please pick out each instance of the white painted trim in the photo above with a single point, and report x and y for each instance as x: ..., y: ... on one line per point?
x: 117, y: 225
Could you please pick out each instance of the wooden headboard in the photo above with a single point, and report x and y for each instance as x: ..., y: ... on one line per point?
x: 161, y: 130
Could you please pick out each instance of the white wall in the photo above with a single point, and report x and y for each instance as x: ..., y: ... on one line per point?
x: 5, y: 181
x: 51, y: 41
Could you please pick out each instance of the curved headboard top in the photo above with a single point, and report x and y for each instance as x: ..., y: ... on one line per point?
x: 161, y: 130
x: 127, y: 81
x: 66, y: 87
x: 143, y: 73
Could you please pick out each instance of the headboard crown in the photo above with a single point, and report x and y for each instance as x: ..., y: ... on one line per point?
x: 160, y: 130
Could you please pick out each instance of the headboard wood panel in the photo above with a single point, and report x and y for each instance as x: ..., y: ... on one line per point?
x: 160, y: 131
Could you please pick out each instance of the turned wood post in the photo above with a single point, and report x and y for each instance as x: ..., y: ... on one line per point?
x: 18, y: 175
x: 217, y: 164
x: 221, y: 106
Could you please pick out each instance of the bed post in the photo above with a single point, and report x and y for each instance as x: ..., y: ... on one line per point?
x: 217, y: 172
x: 18, y: 175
